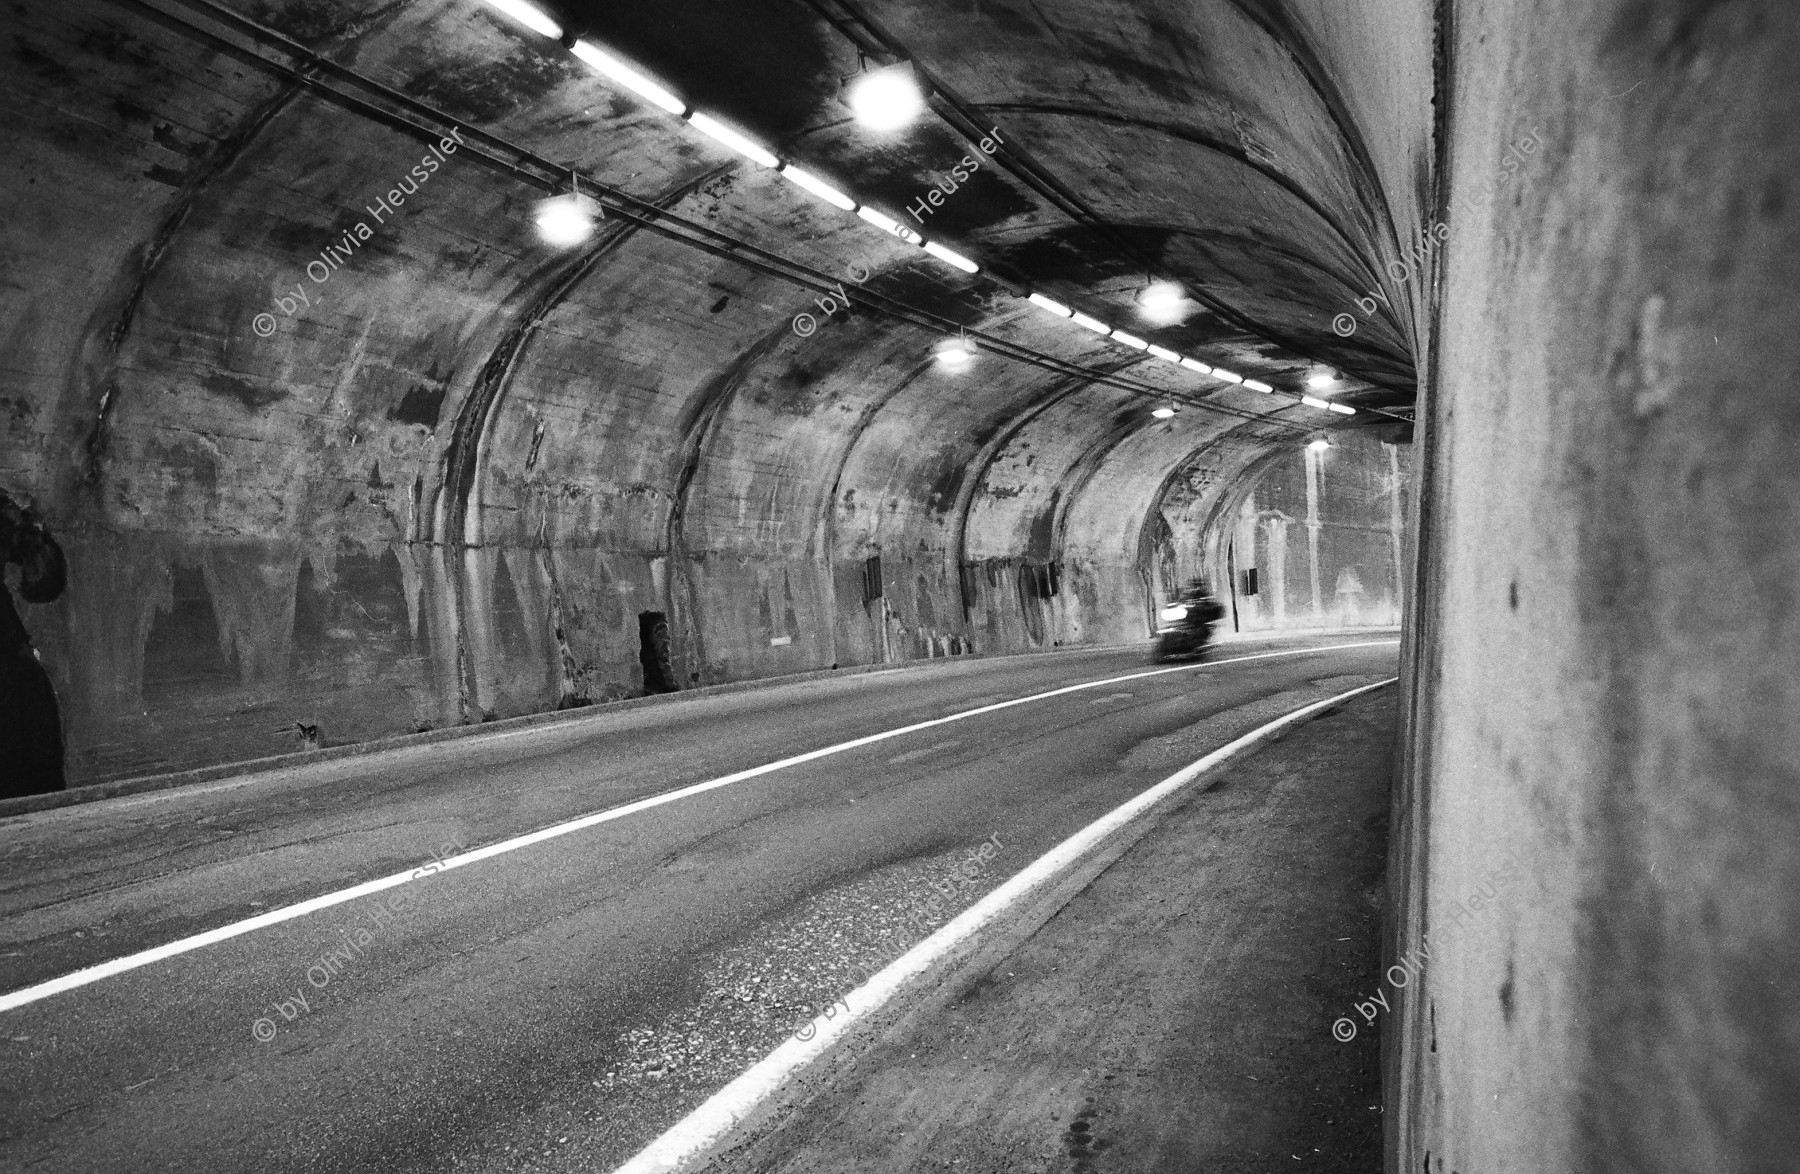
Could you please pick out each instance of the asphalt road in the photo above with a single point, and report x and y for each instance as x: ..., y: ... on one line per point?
x: 557, y: 1006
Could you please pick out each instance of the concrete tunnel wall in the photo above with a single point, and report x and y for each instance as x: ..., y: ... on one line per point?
x: 462, y: 466
x: 1597, y: 837
x: 1296, y: 518
x: 1322, y: 531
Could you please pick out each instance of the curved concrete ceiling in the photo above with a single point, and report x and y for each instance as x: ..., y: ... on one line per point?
x: 440, y: 377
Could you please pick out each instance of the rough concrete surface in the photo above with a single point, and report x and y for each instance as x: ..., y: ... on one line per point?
x: 1607, y: 651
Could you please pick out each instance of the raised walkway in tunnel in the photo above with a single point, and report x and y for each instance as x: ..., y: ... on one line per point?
x: 559, y: 1003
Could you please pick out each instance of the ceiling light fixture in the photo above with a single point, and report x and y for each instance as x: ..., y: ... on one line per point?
x: 1319, y: 445
x: 956, y: 353
x: 1163, y: 302
x: 529, y: 15
x: 886, y: 99
x: 1313, y: 401
x: 632, y: 78
x: 1258, y: 385
x: 952, y: 258
x: 1163, y: 413
x: 566, y: 220
x: 733, y: 138
x: 817, y: 186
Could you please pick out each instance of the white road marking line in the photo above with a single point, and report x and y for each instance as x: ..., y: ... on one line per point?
x: 688, y: 1140
x: 95, y: 973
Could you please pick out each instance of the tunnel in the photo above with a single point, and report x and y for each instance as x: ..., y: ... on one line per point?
x: 384, y: 377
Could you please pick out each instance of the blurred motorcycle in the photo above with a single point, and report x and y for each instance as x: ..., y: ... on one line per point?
x: 1185, y: 626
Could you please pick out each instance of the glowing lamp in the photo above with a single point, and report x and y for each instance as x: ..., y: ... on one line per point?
x: 567, y: 220
x: 1163, y: 303
x: 886, y: 99
x: 956, y: 354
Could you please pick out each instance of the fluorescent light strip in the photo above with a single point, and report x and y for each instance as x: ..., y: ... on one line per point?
x: 1313, y: 401
x: 735, y: 139
x: 817, y: 187
x: 636, y: 81
x: 888, y: 224
x: 529, y: 15
x: 951, y: 258
x: 641, y: 84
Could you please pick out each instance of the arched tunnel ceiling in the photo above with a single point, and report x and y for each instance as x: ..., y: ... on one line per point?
x: 439, y: 376
x: 1235, y: 148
